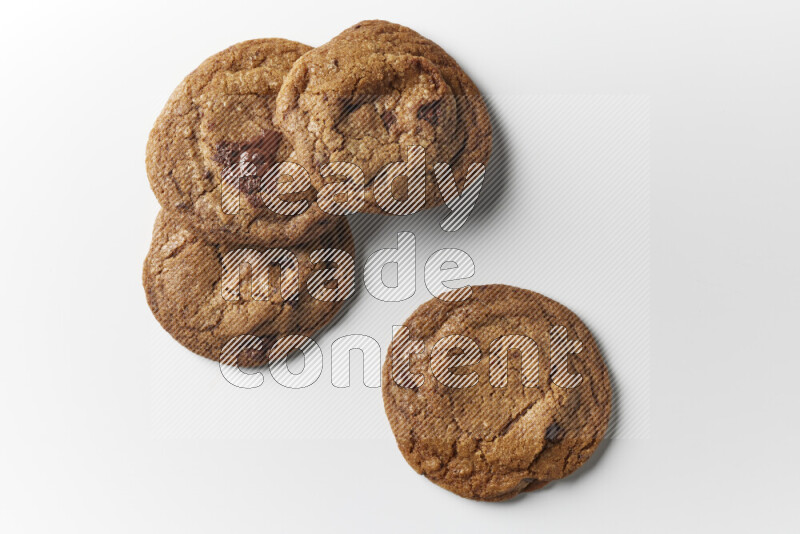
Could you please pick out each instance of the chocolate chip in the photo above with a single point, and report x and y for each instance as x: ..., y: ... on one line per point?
x: 264, y: 149
x: 261, y: 151
x: 388, y: 119
x: 350, y: 105
x: 249, y: 184
x: 226, y: 153
x: 430, y: 112
x: 554, y: 433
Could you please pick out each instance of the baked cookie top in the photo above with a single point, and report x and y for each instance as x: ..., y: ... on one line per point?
x: 371, y: 93
x: 530, y: 407
x: 183, y: 281
x: 216, y: 134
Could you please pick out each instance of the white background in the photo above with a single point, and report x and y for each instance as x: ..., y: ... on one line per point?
x: 91, y: 438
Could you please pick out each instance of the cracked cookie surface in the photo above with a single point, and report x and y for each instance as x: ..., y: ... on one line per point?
x: 496, y: 438
x: 217, y: 131
x: 372, y: 92
x: 182, y: 280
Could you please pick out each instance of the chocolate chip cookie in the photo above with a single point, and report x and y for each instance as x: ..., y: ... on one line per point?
x: 370, y: 94
x: 497, y: 394
x: 193, y: 287
x: 214, y: 142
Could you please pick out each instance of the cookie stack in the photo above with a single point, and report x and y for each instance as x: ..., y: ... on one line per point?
x: 267, y: 146
x: 360, y: 100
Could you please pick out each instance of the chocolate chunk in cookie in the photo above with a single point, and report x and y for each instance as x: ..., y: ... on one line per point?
x: 216, y: 138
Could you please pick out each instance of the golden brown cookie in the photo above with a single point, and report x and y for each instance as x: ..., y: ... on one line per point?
x: 509, y: 393
x: 216, y: 133
x: 371, y: 93
x: 183, y: 281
